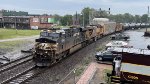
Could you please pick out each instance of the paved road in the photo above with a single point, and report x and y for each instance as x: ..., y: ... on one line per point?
x: 21, y: 38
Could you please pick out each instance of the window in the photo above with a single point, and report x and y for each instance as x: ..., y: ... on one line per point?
x: 53, y: 35
x: 44, y: 34
x: 62, y: 46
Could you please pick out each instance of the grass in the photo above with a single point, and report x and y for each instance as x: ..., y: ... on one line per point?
x: 100, y: 48
x: 12, y: 33
x: 10, y: 44
x: 105, y: 75
x: 79, y: 71
x: 87, y: 61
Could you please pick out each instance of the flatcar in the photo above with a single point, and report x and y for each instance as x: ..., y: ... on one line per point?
x: 55, y: 44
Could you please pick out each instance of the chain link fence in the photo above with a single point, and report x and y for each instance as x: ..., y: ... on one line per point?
x: 70, y: 78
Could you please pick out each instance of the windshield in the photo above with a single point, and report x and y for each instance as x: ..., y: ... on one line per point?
x: 43, y: 34
x: 50, y: 35
x: 53, y: 35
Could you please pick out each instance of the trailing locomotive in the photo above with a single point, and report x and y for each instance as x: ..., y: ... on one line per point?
x: 55, y: 44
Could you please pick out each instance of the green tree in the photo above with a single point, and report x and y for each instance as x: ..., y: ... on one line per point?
x: 57, y: 18
x: 85, y: 15
x: 66, y: 20
x: 144, y: 18
x: 137, y: 18
x: 128, y: 18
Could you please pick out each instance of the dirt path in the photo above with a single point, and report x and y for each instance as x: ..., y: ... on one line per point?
x: 21, y: 38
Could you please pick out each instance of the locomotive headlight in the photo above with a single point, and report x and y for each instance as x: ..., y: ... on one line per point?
x: 54, y: 46
x: 46, y: 52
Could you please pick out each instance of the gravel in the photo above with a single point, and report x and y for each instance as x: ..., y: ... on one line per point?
x: 10, y: 73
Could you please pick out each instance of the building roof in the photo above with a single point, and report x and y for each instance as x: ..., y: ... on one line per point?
x: 19, y: 16
x: 116, y: 44
x: 132, y: 50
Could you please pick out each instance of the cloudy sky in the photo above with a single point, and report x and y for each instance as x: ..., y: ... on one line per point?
x: 63, y: 7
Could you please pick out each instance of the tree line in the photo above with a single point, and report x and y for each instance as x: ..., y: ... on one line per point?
x: 87, y: 14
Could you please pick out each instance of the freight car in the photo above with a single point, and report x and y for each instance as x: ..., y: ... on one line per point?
x: 135, y: 66
x: 55, y: 44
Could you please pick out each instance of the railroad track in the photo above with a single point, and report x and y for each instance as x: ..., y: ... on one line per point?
x: 15, y: 60
x: 13, y: 64
x: 23, y: 76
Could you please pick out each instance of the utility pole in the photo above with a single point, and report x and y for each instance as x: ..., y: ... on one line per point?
x: 83, y: 18
x: 15, y: 23
x: 89, y: 17
x: 76, y: 21
x: 3, y: 21
x: 147, y: 18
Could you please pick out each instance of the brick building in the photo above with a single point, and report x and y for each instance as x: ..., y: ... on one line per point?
x: 41, y: 22
x: 22, y: 20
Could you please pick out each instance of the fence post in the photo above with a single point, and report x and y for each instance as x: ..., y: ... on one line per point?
x: 74, y: 71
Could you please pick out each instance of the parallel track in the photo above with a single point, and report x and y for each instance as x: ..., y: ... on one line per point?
x: 15, y: 63
x: 22, y: 77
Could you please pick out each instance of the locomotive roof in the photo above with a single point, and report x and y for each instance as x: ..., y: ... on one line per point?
x: 132, y: 50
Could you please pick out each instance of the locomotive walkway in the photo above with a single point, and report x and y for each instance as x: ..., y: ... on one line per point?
x: 89, y: 73
x: 20, y: 38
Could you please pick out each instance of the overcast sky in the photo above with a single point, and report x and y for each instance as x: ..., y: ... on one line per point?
x: 63, y: 7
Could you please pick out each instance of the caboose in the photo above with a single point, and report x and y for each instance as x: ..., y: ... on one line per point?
x: 135, y: 66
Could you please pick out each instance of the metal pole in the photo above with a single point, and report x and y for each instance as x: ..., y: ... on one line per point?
x: 147, y: 18
x: 74, y: 71
x: 3, y: 22
x: 83, y: 18
x: 15, y: 24
x: 89, y: 18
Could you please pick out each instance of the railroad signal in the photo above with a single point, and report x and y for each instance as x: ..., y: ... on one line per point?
x: 109, y: 11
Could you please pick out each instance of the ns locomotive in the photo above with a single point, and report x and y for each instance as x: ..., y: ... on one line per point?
x: 55, y: 44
